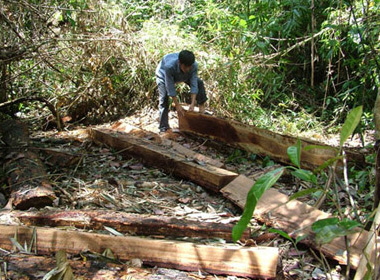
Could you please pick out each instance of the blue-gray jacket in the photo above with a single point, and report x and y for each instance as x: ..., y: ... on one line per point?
x: 169, y: 72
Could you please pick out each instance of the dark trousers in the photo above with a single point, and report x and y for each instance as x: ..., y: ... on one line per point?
x: 163, y: 106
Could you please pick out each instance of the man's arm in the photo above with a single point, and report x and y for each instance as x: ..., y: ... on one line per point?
x: 178, y: 107
x: 193, y: 85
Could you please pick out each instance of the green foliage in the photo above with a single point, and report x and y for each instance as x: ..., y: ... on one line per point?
x: 328, y: 229
x: 96, y: 60
x: 254, y: 194
x: 350, y: 124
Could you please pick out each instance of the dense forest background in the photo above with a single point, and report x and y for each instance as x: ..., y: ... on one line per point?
x: 288, y: 65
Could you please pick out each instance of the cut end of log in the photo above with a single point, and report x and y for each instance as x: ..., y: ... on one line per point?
x: 36, y: 197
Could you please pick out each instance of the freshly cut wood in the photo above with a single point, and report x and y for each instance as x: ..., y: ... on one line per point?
x: 257, y: 140
x: 371, y: 254
x: 129, y: 223
x: 24, y: 170
x: 151, y: 136
x: 258, y: 262
x: 295, y: 218
x: 208, y: 176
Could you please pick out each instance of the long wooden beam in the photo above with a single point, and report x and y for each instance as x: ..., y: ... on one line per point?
x: 257, y: 140
x: 258, y: 262
x: 208, y: 176
x: 295, y: 218
x: 136, y: 224
x: 157, y: 139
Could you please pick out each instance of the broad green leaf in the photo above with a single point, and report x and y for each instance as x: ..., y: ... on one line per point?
x: 350, y: 124
x: 253, y: 196
x: 305, y: 175
x: 294, y: 153
x: 303, y: 193
x: 328, y: 229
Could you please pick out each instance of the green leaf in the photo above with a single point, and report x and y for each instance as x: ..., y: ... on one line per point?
x: 294, y: 153
x: 305, y: 175
x: 310, y: 147
x: 303, y: 193
x: 350, y: 124
x: 327, y: 163
x: 328, y: 229
x: 253, y: 196
x: 282, y: 233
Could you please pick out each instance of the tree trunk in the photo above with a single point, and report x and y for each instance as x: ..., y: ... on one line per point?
x: 376, y: 115
x: 24, y: 170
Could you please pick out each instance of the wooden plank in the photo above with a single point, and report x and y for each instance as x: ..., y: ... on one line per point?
x: 295, y: 218
x: 208, y: 176
x: 136, y: 224
x: 371, y: 254
x: 257, y: 140
x: 259, y: 262
x: 156, y: 138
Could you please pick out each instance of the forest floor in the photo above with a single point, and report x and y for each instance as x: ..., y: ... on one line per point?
x: 103, y: 179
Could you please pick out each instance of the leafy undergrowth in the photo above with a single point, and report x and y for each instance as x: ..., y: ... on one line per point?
x: 101, y: 178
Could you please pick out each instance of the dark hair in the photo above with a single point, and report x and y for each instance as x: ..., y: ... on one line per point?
x: 186, y: 57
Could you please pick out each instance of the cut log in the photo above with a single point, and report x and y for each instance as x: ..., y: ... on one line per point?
x: 129, y: 223
x: 151, y: 136
x: 259, y: 262
x: 259, y: 141
x: 208, y: 176
x: 25, y: 172
x: 295, y: 218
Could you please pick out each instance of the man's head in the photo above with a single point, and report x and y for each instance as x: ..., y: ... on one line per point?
x: 186, y: 60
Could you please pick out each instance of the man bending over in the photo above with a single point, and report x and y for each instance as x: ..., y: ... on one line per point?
x: 175, y: 68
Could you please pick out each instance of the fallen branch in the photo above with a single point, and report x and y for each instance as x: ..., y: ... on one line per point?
x: 40, y: 99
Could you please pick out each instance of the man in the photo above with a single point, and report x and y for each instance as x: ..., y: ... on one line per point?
x: 175, y: 68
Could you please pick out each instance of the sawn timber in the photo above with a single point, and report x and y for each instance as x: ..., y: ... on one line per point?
x: 257, y: 262
x: 211, y: 177
x: 260, y: 141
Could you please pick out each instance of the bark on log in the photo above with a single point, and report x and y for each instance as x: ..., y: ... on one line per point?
x: 259, y: 141
x: 210, y: 177
x: 24, y: 170
x: 129, y: 223
x: 295, y: 218
x: 258, y: 262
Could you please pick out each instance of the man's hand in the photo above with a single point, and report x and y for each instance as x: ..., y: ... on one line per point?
x: 180, y: 111
x: 192, y: 105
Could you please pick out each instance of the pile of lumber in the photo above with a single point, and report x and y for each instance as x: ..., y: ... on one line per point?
x: 274, y: 208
